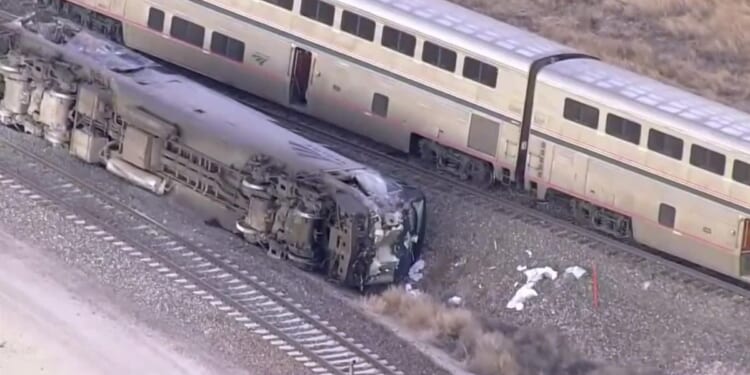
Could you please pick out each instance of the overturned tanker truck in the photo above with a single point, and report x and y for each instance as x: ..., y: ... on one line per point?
x: 164, y: 132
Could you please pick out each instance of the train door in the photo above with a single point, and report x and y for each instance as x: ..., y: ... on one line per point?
x: 745, y: 248
x: 301, y: 68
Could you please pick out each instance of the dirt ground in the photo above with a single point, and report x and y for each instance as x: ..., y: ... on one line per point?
x: 700, y: 45
x: 53, y: 321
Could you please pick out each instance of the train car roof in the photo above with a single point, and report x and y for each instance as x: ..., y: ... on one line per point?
x: 481, y: 35
x: 651, y: 100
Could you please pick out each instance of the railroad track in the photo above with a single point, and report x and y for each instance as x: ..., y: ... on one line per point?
x: 245, y: 298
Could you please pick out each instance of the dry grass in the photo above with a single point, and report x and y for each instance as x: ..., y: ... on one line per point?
x: 700, y: 45
x: 485, y: 347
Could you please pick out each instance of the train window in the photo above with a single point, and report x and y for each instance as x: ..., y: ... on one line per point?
x: 623, y: 128
x: 286, y: 4
x: 380, y: 105
x: 667, y: 215
x: 583, y: 114
x: 704, y: 158
x: 398, y: 41
x: 155, y: 19
x: 357, y: 25
x: 187, y: 31
x: 665, y: 144
x: 438, y: 56
x: 318, y: 10
x: 476, y: 70
x: 741, y: 172
x: 227, y: 47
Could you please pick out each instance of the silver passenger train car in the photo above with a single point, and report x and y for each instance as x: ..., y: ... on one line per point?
x: 478, y: 98
x: 164, y: 132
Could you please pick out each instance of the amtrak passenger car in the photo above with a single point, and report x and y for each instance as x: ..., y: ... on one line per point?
x: 479, y: 98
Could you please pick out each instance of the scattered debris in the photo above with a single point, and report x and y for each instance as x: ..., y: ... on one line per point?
x: 411, y: 289
x: 415, y: 272
x: 495, y: 243
x: 521, y: 268
x: 527, y: 291
x: 523, y: 294
x: 576, y: 271
x: 646, y: 285
x: 455, y: 301
x: 528, y: 252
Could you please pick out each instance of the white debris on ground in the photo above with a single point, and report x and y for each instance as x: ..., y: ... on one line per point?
x: 411, y: 289
x: 416, y: 270
x: 528, y: 252
x: 527, y: 291
x: 576, y: 271
x: 533, y: 276
x: 455, y: 301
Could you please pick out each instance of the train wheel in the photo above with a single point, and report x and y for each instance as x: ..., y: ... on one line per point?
x: 481, y: 173
x: 427, y: 153
x: 581, y: 212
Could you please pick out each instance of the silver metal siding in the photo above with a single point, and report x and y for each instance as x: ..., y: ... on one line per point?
x: 661, y: 104
x: 462, y: 29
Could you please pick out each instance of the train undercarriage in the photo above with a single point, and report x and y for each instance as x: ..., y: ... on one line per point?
x: 458, y: 164
x: 589, y: 215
